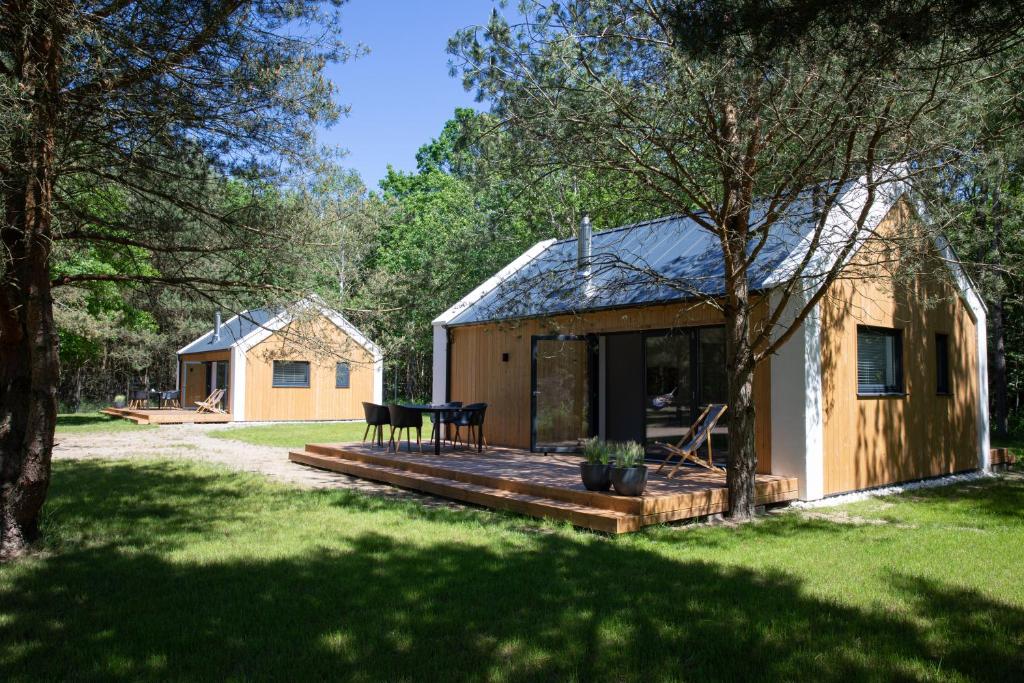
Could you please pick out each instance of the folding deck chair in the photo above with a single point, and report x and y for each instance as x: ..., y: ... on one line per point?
x: 212, y: 403
x: 698, y: 434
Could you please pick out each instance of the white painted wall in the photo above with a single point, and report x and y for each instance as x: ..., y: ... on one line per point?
x: 797, y: 420
x: 237, y: 380
x: 439, y: 387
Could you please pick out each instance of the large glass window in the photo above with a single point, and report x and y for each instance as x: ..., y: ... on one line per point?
x: 291, y: 373
x: 879, y: 361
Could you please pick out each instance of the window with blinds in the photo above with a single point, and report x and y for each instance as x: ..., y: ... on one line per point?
x: 942, y: 383
x: 341, y: 376
x: 291, y: 373
x: 879, y: 361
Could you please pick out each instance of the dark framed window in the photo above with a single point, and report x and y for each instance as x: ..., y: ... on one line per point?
x: 942, y: 383
x: 291, y: 373
x: 879, y: 361
x: 341, y: 376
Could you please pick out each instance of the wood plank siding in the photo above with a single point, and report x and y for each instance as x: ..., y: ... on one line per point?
x: 193, y: 375
x: 321, y: 400
x: 477, y: 372
x: 872, y: 441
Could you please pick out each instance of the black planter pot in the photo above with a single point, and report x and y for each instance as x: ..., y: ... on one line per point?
x: 629, y: 481
x: 596, y: 477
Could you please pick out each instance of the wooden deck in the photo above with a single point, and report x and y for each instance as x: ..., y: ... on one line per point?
x: 542, y: 486
x: 166, y: 416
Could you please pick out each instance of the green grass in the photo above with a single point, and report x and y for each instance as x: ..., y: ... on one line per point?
x: 296, y: 434
x: 95, y: 422
x: 165, y: 570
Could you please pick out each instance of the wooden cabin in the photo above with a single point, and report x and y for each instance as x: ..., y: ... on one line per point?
x: 884, y: 382
x: 306, y: 362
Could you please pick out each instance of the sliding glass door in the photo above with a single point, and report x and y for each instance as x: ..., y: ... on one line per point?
x: 563, y: 393
x: 685, y: 371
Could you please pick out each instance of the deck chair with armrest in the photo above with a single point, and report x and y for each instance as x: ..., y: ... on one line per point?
x: 212, y: 403
x: 699, y: 434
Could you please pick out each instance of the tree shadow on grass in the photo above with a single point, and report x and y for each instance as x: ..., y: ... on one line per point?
x: 84, y: 419
x: 557, y: 606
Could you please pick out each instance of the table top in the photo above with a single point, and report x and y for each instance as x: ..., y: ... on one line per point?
x: 431, y: 408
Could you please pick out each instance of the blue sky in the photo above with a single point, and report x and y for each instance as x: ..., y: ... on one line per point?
x: 400, y: 93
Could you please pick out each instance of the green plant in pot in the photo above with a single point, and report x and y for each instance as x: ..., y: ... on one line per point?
x: 120, y: 401
x: 595, y: 471
x: 629, y: 475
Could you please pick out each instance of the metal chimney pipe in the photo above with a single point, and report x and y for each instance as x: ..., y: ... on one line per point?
x: 585, y: 243
x: 216, y: 328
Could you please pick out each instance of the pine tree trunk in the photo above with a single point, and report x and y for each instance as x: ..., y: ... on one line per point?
x: 29, y: 370
x: 997, y: 367
x: 741, y: 470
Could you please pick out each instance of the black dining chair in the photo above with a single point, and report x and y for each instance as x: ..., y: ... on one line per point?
x: 445, y: 418
x: 377, y: 416
x: 139, y: 399
x: 170, y: 399
x: 472, y: 418
x: 407, y: 419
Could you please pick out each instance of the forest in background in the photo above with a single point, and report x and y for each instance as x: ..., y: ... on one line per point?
x: 415, y: 245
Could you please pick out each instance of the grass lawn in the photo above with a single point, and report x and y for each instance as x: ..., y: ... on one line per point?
x: 295, y: 434
x: 95, y: 422
x: 165, y: 570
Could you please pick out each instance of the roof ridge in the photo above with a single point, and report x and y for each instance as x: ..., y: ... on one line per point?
x: 628, y: 226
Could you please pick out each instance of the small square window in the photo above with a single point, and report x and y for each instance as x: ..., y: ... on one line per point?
x: 879, y: 361
x: 291, y: 373
x: 942, y: 380
x: 341, y: 376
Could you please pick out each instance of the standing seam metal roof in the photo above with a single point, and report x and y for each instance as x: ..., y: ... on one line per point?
x: 657, y: 261
x: 232, y: 331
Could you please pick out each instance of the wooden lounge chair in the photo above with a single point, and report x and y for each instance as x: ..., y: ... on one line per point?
x: 697, y: 436
x: 212, y: 403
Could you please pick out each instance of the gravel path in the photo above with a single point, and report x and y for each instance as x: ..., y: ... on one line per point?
x: 193, y: 442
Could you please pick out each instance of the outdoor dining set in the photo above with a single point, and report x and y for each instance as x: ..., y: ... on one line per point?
x: 448, y: 420
x: 144, y: 398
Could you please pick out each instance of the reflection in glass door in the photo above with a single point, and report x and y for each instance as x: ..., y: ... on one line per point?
x: 669, y: 400
x: 222, y: 382
x: 685, y: 372
x: 562, y: 393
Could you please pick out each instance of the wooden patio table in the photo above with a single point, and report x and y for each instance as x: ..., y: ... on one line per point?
x: 439, y: 411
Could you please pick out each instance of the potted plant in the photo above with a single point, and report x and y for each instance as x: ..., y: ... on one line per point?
x: 119, y: 401
x: 629, y: 475
x: 595, y: 471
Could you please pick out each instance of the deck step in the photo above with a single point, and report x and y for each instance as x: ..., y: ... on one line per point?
x: 506, y: 481
x: 599, y: 519
x: 126, y: 414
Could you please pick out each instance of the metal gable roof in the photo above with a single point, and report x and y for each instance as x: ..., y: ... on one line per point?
x: 658, y: 261
x: 232, y: 331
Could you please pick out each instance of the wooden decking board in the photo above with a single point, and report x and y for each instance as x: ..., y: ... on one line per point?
x: 166, y: 416
x: 578, y: 515
x: 557, y: 477
x: 545, y: 486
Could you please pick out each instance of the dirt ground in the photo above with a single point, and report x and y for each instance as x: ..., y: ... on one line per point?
x: 195, y: 443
